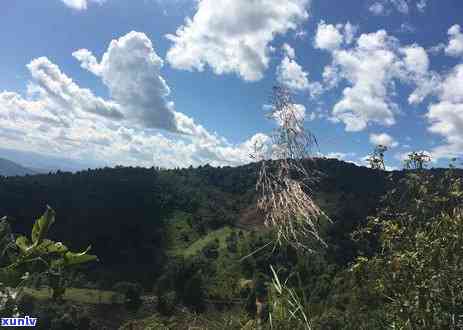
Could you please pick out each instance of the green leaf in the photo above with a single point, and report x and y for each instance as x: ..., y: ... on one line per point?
x: 48, y: 247
x: 42, y: 225
x: 72, y: 258
x: 23, y: 243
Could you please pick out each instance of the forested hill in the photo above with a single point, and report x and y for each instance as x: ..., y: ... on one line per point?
x: 9, y: 168
x: 123, y: 212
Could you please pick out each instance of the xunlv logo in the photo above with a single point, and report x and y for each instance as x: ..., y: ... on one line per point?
x: 19, y: 321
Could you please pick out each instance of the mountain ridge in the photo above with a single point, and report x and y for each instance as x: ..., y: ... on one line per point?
x: 10, y: 168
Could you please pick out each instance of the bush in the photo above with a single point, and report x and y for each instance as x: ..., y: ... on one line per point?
x: 132, y: 293
x: 167, y: 303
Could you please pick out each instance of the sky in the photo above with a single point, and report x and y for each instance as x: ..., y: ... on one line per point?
x: 174, y: 83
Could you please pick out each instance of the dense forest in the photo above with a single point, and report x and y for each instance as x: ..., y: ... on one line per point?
x: 193, y: 241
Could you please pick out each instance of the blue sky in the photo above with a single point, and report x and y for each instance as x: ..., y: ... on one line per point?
x: 184, y: 82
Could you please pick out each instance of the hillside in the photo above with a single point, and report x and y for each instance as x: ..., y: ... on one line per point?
x: 9, y: 168
x: 129, y: 208
x: 189, y: 236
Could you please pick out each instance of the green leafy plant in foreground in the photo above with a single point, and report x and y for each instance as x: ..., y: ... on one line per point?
x: 37, y: 255
x: 417, y: 273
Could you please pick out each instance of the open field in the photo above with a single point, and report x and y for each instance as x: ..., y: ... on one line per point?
x: 89, y: 296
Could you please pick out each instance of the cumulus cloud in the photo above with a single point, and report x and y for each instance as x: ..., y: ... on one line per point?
x: 407, y: 28
x: 58, y: 117
x: 234, y: 36
x: 385, y: 7
x: 293, y: 76
x: 328, y: 37
x: 421, y: 5
x: 377, y: 8
x: 350, y: 32
x: 416, y: 69
x: 401, y: 5
x: 455, y: 46
x: 368, y: 68
x: 383, y: 139
x: 371, y: 67
x: 130, y: 68
x: 416, y: 59
x: 80, y: 4
x: 446, y: 116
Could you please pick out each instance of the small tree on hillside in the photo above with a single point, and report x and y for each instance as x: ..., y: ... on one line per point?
x: 417, y: 160
x: 376, y: 159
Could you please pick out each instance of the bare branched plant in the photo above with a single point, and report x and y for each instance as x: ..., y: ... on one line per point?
x: 283, y: 184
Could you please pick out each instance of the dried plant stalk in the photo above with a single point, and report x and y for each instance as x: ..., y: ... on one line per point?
x: 283, y: 185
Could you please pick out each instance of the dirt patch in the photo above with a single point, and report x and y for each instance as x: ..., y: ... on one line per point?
x: 251, y: 219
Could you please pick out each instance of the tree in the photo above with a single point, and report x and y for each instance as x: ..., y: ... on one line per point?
x: 417, y: 160
x: 415, y: 278
x: 376, y: 159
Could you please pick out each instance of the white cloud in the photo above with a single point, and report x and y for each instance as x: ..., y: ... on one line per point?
x: 416, y: 69
x: 446, y: 116
x: 350, y: 32
x: 369, y: 68
x: 401, y: 6
x: 455, y: 46
x: 293, y: 76
x: 386, y: 7
x: 331, y: 76
x: 377, y: 8
x: 328, y: 37
x: 288, y: 51
x: 57, y: 117
x: 234, y: 36
x: 452, y: 86
x: 407, y: 28
x: 383, y: 139
x: 80, y: 4
x: 416, y: 59
x: 130, y: 68
x: 421, y: 5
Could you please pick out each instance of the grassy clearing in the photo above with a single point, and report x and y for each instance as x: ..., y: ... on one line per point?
x: 88, y: 296
x: 180, y: 234
x: 182, y: 320
x: 184, y: 241
x: 220, y: 234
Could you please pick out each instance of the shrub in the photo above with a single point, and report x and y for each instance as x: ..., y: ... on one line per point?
x: 167, y: 303
x: 132, y: 293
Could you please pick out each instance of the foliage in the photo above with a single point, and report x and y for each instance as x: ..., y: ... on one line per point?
x: 376, y: 159
x: 164, y: 224
x: 167, y: 303
x: 288, y: 309
x: 132, y: 293
x: 417, y: 160
x: 39, y: 255
x: 419, y: 268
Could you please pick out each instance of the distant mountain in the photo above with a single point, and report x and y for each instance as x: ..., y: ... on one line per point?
x: 9, y: 168
x: 45, y: 163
